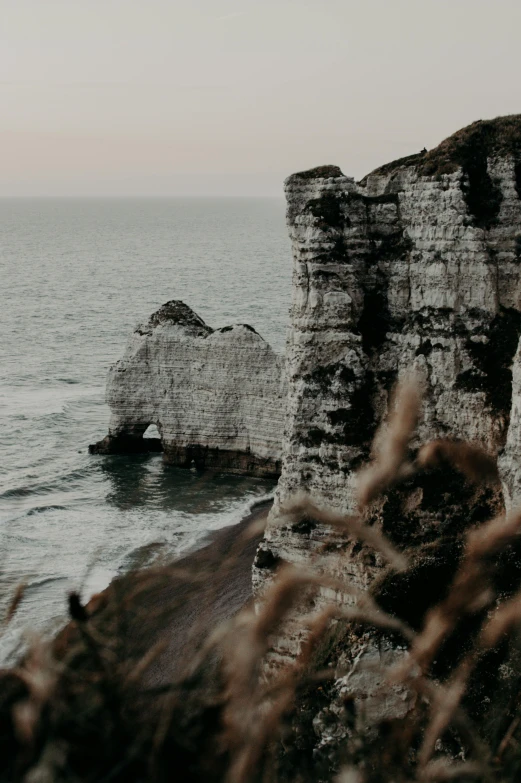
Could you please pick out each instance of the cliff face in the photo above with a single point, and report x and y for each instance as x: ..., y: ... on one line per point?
x: 217, y: 397
x: 415, y: 267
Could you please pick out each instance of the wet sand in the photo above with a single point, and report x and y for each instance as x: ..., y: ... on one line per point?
x: 207, y: 587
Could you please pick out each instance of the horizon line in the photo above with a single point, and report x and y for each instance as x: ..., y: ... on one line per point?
x: 140, y: 196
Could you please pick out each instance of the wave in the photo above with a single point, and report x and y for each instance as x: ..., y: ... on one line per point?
x: 42, y: 509
x: 142, y: 556
x: 33, y: 511
x: 256, y: 502
x: 178, y: 542
x: 37, y: 584
x: 17, y: 492
x: 36, y: 402
x: 50, y: 486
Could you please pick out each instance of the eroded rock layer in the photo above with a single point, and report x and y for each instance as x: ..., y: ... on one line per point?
x: 418, y: 266
x: 216, y: 396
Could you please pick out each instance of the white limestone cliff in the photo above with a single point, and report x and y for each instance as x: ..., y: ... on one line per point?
x: 216, y: 396
x: 418, y: 266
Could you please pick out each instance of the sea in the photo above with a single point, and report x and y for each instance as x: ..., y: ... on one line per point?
x: 77, y: 275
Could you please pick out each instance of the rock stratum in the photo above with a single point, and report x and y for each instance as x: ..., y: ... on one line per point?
x: 216, y: 396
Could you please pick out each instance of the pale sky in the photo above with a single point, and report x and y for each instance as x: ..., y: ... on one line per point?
x: 228, y: 97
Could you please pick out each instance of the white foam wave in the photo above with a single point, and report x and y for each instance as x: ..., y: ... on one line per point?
x: 41, y: 401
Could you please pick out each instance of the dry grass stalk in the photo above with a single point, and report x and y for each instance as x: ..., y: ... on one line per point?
x: 469, y: 458
x: 471, y: 590
x: 373, y: 617
x: 39, y: 676
x: 502, y: 621
x: 508, y: 738
x: 493, y: 536
x: 302, y: 506
x: 350, y: 775
x: 444, y: 704
x: 391, y: 444
x: 442, y: 769
x: 15, y: 602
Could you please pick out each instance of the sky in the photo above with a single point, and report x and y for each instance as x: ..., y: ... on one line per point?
x: 228, y: 97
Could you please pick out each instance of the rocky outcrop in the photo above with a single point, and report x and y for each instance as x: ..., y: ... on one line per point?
x: 418, y: 266
x: 216, y: 396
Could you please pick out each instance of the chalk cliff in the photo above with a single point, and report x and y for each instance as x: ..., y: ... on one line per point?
x: 216, y: 396
x: 418, y: 266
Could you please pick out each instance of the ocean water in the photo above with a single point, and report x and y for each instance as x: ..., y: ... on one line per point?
x: 76, y: 277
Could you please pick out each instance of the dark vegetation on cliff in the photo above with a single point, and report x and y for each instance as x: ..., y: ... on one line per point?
x: 177, y: 312
x: 468, y: 149
x: 484, y: 138
x: 481, y: 139
x: 86, y: 707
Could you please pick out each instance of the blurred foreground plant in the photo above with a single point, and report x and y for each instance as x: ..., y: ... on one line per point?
x: 88, y: 707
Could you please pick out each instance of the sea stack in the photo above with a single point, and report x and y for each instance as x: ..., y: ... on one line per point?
x: 217, y: 397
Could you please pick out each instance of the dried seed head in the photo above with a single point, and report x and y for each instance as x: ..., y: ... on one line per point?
x: 501, y: 622
x: 25, y: 719
x: 391, y: 443
x: 470, y: 459
x: 302, y: 506
x: 493, y: 536
x: 15, y: 603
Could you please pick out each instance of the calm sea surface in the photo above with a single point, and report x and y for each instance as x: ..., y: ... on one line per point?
x: 76, y: 277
